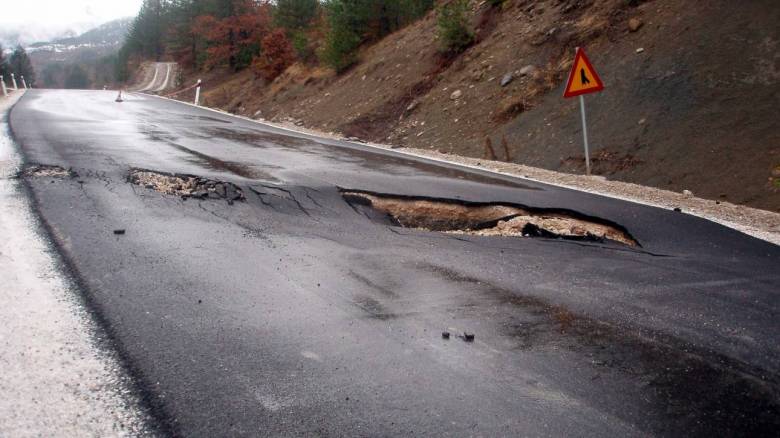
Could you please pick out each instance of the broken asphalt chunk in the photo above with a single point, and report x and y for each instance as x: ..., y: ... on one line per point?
x: 46, y: 170
x: 468, y: 337
x: 186, y: 186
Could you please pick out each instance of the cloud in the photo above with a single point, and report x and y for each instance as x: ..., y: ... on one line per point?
x: 44, y: 20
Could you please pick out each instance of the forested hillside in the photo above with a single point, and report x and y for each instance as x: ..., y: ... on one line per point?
x: 262, y: 35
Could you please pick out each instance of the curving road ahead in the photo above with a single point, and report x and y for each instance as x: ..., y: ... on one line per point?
x: 294, y: 314
x: 160, y: 76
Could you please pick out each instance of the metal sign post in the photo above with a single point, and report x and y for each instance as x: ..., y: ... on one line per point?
x: 583, y: 79
x: 585, y: 134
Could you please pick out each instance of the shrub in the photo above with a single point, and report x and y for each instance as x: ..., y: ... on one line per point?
x: 351, y: 22
x: 277, y: 55
x: 339, y: 49
x: 453, y: 26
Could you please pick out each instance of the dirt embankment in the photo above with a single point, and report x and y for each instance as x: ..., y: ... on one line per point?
x: 690, y: 103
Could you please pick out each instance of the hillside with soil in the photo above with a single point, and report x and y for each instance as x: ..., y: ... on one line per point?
x: 690, y: 102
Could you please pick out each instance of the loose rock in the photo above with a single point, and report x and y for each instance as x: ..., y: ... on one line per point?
x: 527, y: 70
x: 634, y: 24
x: 507, y: 79
x: 456, y: 95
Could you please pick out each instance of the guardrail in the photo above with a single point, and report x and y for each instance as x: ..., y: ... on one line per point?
x: 196, y: 86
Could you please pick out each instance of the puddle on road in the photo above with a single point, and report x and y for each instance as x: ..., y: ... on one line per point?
x: 486, y: 219
x: 186, y: 186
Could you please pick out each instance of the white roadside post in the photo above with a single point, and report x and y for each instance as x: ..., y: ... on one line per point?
x: 24, y: 83
x: 13, y: 81
x: 583, y: 79
x: 197, y: 93
x: 5, y: 90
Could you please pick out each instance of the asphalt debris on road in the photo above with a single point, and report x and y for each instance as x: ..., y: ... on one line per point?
x: 47, y: 171
x: 186, y: 186
x: 487, y: 219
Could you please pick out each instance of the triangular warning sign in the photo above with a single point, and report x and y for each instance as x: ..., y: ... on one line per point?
x: 583, y: 78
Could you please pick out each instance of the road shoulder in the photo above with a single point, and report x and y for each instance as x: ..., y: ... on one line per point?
x: 58, y: 378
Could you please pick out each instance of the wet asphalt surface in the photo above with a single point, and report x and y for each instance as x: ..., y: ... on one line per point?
x: 293, y: 314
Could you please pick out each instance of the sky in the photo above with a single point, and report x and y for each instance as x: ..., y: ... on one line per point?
x: 42, y: 20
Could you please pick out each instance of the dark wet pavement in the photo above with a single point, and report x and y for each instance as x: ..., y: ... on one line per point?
x: 291, y: 313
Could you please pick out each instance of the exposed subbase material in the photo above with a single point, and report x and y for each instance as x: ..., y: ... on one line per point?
x: 186, y: 186
x: 485, y: 219
x: 47, y: 171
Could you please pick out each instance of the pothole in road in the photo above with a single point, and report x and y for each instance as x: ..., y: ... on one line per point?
x: 186, y: 186
x: 486, y: 219
x: 47, y: 171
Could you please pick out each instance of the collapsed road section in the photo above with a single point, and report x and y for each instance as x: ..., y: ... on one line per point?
x: 486, y: 219
x: 186, y: 186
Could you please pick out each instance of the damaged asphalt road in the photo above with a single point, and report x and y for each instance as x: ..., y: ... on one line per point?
x: 295, y: 312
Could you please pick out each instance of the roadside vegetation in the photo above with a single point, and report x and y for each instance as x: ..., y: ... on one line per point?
x: 19, y: 64
x: 266, y: 36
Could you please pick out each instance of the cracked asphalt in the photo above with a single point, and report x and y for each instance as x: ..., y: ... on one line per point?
x: 291, y: 313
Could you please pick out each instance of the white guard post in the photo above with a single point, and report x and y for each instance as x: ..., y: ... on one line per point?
x: 13, y: 81
x: 5, y: 90
x: 197, y: 93
x: 24, y: 83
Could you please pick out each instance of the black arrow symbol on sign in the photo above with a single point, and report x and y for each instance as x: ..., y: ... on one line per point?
x: 584, y: 77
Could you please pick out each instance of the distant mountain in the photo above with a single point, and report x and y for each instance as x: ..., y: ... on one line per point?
x: 108, y: 35
x: 88, y: 54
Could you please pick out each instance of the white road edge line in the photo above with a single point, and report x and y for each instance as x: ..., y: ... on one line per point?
x: 750, y: 231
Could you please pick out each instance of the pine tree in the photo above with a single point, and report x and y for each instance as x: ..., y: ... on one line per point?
x: 3, y: 64
x: 295, y: 15
x: 20, y: 65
